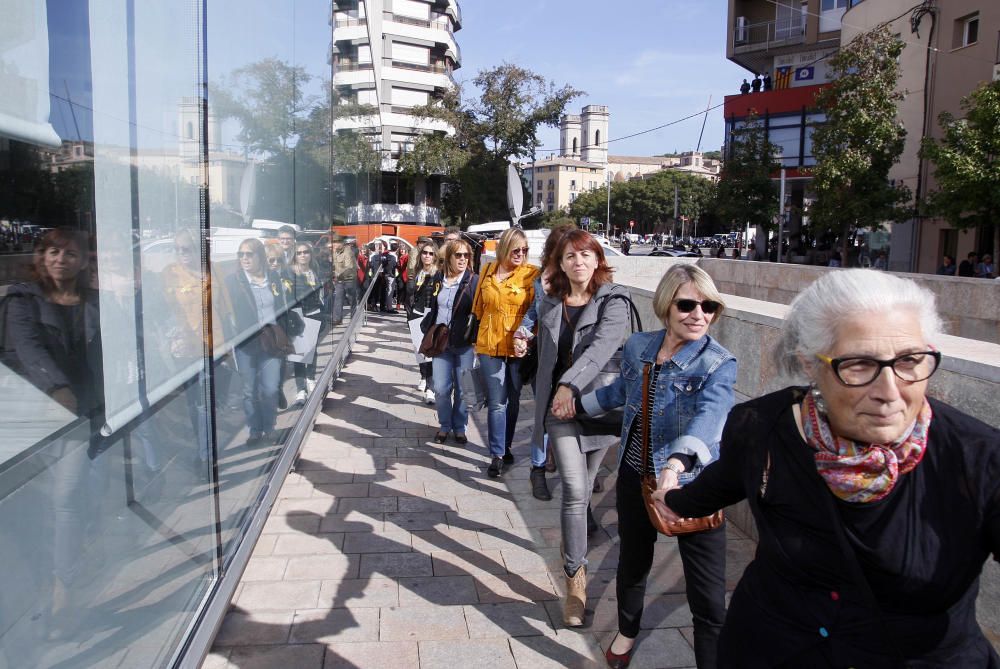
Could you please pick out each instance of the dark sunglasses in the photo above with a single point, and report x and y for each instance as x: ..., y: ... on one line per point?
x: 523, y: 251
x: 428, y: 253
x: 687, y: 306
x: 303, y: 253
x: 245, y: 254
x: 461, y: 255
x: 272, y: 261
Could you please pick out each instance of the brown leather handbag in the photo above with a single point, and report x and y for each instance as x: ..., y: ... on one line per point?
x: 649, y: 484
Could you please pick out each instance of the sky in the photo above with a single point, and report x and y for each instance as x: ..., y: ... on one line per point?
x: 650, y: 61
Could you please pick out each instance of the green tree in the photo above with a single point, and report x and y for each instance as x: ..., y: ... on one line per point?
x: 268, y: 100
x: 746, y: 193
x: 860, y: 140
x: 967, y: 164
x: 649, y: 202
x: 497, y: 125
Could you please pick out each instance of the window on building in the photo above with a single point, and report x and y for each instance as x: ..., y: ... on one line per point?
x: 552, y: 197
x: 597, y: 139
x: 966, y: 31
x: 572, y: 197
x: 576, y: 147
x: 539, y: 198
x: 552, y: 184
x: 541, y: 184
x: 551, y: 207
x: 572, y: 184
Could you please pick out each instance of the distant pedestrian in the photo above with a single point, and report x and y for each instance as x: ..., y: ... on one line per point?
x: 881, y: 262
x: 756, y: 83
x: 745, y: 88
x: 968, y: 266
x: 986, y: 269
x: 767, y: 81
x: 947, y: 267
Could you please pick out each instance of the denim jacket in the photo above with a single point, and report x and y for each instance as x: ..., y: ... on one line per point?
x: 693, y: 397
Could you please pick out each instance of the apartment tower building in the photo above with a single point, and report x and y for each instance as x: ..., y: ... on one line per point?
x: 390, y: 56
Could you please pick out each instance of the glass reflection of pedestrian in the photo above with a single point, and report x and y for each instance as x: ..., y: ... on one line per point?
x: 419, y: 293
x: 276, y: 255
x: 52, y: 340
x: 345, y: 278
x: 260, y: 298
x: 182, y: 288
x: 306, y: 288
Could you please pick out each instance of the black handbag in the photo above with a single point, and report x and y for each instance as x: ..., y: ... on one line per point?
x: 609, y: 423
x: 294, y: 325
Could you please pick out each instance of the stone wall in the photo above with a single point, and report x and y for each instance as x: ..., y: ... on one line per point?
x: 969, y: 307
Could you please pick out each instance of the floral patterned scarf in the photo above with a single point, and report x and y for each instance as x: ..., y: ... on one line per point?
x: 857, y: 472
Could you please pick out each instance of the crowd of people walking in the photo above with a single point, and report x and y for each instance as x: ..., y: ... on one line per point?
x: 869, y: 552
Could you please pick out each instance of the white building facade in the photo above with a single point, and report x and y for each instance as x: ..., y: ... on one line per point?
x: 392, y: 56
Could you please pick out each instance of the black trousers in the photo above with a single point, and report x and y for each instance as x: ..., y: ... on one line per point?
x: 703, y: 556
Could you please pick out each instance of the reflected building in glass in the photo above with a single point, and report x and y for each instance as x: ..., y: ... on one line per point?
x: 388, y: 58
x: 157, y: 370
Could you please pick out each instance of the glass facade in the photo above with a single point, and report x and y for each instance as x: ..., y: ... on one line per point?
x: 161, y: 331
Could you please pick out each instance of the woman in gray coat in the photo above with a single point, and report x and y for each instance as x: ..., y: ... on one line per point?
x: 579, y: 329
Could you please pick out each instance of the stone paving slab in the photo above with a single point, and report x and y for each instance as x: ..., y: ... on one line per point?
x: 385, y: 549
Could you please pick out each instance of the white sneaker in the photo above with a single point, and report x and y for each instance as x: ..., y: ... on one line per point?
x: 422, y: 386
x: 310, y: 386
x: 429, y: 396
x: 301, y: 396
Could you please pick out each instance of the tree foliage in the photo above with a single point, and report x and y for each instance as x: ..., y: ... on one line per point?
x: 746, y: 192
x: 967, y: 163
x: 497, y: 125
x: 861, y: 139
x: 649, y: 201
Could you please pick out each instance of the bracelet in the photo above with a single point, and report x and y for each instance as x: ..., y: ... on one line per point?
x: 675, y: 468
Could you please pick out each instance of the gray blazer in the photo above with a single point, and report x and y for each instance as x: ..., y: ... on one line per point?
x: 593, y: 345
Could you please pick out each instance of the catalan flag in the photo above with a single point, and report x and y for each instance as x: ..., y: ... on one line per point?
x: 782, y: 77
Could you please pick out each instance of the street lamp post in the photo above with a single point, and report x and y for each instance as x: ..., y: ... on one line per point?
x: 607, y: 180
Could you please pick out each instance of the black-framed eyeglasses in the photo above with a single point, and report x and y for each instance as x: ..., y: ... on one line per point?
x: 687, y: 306
x: 857, y: 371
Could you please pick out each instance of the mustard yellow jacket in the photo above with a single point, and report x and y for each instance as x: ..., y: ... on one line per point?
x: 500, y: 306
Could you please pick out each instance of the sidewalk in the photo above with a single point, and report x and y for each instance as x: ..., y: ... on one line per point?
x: 388, y: 550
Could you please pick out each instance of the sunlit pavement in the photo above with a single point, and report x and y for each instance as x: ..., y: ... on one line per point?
x: 388, y: 550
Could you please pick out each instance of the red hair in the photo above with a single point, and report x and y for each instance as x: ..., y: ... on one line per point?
x: 579, y: 240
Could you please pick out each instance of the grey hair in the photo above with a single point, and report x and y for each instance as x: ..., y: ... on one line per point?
x: 810, y: 327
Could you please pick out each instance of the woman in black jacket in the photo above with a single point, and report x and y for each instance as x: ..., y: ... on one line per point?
x: 419, y: 295
x: 306, y: 291
x: 260, y: 304
x: 451, y: 306
x: 876, y: 506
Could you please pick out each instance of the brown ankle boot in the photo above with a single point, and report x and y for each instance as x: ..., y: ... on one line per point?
x: 576, y: 598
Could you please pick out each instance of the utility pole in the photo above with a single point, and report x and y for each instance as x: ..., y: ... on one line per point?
x: 607, y: 179
x: 781, y: 212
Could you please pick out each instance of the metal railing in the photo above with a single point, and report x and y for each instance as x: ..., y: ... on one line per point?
x: 345, y: 23
x: 761, y: 36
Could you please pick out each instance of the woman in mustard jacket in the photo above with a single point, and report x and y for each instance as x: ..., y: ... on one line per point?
x: 506, y: 290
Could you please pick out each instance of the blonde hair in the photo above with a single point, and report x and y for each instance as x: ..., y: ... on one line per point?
x: 677, y: 276
x: 509, y: 240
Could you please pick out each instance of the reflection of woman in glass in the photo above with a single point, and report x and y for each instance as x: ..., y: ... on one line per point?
x: 306, y: 288
x: 52, y: 340
x: 419, y: 293
x: 260, y: 300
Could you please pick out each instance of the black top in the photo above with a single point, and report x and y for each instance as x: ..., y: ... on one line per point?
x: 921, y: 548
x: 564, y: 360
x: 461, y: 310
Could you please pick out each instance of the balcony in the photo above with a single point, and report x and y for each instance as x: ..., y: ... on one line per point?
x: 394, y: 213
x: 768, y: 35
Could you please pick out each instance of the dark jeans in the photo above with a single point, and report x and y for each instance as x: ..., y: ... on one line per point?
x: 703, y: 556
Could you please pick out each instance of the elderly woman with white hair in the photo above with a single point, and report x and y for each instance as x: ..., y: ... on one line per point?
x: 876, y: 505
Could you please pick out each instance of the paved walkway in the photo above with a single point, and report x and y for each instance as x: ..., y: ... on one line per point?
x: 387, y: 550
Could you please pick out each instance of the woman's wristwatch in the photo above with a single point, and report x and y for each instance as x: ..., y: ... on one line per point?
x: 675, y: 467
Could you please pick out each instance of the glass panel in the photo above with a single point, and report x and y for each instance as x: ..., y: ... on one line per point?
x: 106, y: 520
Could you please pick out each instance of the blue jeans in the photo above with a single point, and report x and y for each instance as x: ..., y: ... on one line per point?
x: 503, y: 400
x: 261, y: 375
x: 452, y: 412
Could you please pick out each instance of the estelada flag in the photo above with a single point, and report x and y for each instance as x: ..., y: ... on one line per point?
x: 783, y: 77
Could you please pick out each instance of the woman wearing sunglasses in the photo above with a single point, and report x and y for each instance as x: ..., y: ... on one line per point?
x: 260, y: 298
x: 306, y: 288
x: 419, y: 294
x: 451, y: 307
x: 690, y: 391
x: 876, y: 505
x: 506, y: 290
